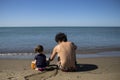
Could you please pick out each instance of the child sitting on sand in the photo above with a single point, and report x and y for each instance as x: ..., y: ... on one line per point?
x: 40, y: 59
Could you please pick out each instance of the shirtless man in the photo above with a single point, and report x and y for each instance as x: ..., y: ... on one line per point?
x: 66, y: 53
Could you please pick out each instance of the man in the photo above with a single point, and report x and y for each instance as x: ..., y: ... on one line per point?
x: 66, y: 53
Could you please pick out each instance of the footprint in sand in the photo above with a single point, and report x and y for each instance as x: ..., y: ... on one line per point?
x: 42, y: 75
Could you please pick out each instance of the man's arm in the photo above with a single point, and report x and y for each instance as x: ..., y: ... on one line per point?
x: 53, y: 54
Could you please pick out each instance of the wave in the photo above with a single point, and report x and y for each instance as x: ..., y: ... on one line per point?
x: 32, y: 55
x: 16, y: 54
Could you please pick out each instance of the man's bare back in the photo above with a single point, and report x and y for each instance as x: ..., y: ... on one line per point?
x: 66, y: 52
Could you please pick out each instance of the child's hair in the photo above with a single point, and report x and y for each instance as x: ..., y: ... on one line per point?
x: 39, y: 49
x: 60, y: 37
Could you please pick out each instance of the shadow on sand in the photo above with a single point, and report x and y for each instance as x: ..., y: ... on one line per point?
x: 86, y: 67
x: 51, y: 67
x: 80, y: 67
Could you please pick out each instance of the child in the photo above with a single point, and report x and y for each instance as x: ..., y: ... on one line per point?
x: 40, y: 59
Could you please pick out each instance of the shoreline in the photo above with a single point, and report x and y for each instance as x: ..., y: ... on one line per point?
x: 83, y: 53
x: 78, y: 51
x: 78, y: 56
x: 97, y: 50
x: 89, y: 69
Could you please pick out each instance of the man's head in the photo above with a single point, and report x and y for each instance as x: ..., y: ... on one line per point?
x: 60, y: 37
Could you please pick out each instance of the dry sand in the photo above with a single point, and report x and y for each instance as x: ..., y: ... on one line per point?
x: 89, y: 69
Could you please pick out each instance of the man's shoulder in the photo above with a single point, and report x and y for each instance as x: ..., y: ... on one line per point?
x: 57, y: 46
x: 68, y: 42
x: 71, y: 42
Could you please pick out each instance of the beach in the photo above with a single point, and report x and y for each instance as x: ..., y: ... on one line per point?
x: 79, y: 35
x: 98, y: 53
x: 102, y: 68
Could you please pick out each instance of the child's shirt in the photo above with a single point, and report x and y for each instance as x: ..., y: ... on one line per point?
x: 40, y: 60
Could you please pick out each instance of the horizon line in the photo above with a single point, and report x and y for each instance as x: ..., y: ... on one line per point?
x: 59, y: 26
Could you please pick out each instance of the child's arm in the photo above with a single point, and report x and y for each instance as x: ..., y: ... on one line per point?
x: 33, y: 64
x: 34, y: 61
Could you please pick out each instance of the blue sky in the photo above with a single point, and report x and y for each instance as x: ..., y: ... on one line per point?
x: 59, y: 12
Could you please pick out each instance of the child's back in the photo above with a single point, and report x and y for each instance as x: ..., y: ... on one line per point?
x: 40, y: 60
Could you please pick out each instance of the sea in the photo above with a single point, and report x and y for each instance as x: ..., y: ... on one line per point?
x: 23, y: 40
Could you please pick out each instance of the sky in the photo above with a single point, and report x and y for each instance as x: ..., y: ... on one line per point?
x: 59, y: 13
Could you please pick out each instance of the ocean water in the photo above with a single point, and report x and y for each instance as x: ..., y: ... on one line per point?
x: 25, y: 39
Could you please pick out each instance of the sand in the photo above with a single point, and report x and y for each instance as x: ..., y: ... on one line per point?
x: 106, y: 68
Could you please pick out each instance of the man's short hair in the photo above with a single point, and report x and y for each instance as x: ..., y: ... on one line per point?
x: 60, y: 37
